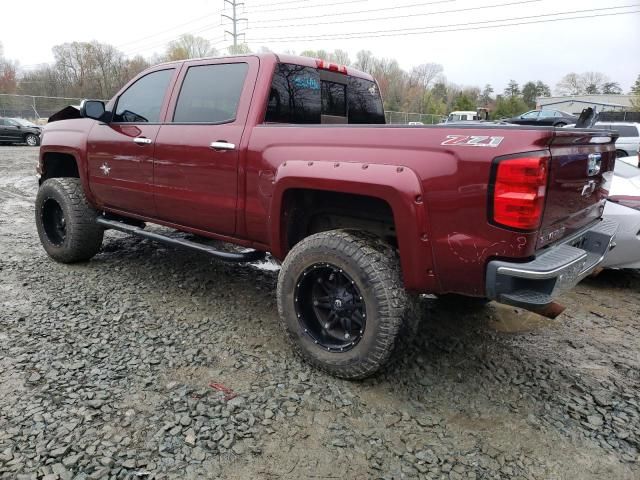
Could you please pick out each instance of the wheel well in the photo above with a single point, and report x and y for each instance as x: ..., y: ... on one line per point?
x: 306, y: 212
x: 56, y: 165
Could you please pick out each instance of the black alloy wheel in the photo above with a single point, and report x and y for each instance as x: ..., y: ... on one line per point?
x: 342, y: 301
x: 330, y: 307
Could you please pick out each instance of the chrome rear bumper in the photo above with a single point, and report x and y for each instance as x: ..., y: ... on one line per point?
x: 556, y: 269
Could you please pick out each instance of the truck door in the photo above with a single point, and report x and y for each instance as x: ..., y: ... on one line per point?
x: 198, y: 147
x: 120, y: 153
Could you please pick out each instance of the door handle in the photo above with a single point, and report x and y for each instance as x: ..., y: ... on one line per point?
x: 142, y: 140
x: 222, y: 145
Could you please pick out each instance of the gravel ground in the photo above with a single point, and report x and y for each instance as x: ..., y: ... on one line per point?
x: 149, y: 362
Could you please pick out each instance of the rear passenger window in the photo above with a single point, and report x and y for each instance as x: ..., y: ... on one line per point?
x: 365, y: 102
x: 210, y: 93
x: 295, y: 95
x: 304, y: 95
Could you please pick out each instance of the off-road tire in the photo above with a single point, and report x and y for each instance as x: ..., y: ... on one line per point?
x: 83, y: 237
x: 32, y: 140
x: 374, y: 266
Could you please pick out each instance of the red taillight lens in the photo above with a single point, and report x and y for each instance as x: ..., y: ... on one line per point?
x: 519, y: 190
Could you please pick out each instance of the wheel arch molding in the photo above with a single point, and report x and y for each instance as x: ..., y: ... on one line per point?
x: 396, y: 185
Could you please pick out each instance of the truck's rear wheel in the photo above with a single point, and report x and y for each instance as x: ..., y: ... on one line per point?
x: 341, y: 301
x: 66, y: 222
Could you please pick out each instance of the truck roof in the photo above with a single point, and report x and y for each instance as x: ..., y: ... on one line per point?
x: 282, y: 58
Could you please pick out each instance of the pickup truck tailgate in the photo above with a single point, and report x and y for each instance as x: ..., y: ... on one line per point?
x: 579, y: 179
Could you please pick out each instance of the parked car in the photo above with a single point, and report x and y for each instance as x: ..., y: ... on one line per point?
x: 547, y: 117
x: 26, y: 123
x: 623, y: 207
x: 286, y: 154
x: 12, y: 132
x: 628, y: 142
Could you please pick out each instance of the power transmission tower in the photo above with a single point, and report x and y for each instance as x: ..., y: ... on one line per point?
x: 234, y: 20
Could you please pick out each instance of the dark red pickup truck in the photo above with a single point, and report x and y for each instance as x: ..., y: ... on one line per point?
x: 290, y: 155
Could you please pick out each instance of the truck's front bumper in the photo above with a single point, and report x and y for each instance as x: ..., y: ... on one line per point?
x: 534, y: 284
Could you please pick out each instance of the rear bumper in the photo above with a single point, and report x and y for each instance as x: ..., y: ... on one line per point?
x: 534, y: 284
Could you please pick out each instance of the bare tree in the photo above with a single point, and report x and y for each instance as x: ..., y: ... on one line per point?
x: 341, y: 57
x: 8, y: 80
x: 425, y: 74
x: 189, y: 46
x: 570, y: 84
x: 588, y: 83
x: 364, y: 61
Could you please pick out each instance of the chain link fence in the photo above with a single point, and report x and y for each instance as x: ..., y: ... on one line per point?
x: 34, y: 108
x: 407, y: 117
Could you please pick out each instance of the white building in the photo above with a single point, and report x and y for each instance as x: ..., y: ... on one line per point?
x: 576, y: 103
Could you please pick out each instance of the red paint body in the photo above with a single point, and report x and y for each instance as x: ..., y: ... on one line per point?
x: 439, y: 194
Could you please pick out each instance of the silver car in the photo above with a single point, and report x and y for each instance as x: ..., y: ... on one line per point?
x: 623, y: 206
x: 628, y: 142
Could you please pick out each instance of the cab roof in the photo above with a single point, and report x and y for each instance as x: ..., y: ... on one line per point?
x: 279, y: 58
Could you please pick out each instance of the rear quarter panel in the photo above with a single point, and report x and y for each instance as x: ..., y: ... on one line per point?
x: 444, y: 249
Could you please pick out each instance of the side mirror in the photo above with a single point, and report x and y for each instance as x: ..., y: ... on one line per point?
x: 92, y: 109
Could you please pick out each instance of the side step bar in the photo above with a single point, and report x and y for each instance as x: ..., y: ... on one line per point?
x: 248, y: 256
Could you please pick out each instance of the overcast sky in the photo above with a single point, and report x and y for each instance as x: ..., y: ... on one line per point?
x: 538, y: 51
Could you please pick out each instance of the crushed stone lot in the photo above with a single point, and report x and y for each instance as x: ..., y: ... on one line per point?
x: 151, y: 362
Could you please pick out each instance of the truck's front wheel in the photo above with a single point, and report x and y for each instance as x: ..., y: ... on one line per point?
x: 342, y: 302
x: 66, y: 222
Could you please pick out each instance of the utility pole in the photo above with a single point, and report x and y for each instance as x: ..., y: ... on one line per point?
x: 234, y: 20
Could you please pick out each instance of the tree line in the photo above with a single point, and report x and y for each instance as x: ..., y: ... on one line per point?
x: 98, y: 70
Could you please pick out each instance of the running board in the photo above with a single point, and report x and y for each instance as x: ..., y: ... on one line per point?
x: 248, y: 256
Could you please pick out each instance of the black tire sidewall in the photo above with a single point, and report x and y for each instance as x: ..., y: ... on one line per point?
x: 83, y: 236
x: 52, y: 190
x: 377, y: 342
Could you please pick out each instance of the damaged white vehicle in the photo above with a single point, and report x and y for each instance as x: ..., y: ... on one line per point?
x: 623, y: 206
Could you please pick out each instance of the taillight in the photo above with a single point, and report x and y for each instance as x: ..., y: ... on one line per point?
x: 519, y: 188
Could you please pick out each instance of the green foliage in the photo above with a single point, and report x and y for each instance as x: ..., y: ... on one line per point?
x: 485, y: 96
x: 463, y: 102
x: 635, y: 88
x: 509, y: 107
x: 532, y: 90
x: 513, y: 89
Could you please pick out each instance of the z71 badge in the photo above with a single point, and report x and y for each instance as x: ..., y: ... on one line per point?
x: 473, y: 140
